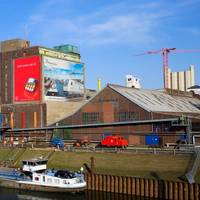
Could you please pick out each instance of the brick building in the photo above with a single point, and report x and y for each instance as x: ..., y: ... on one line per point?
x: 118, y: 104
x: 36, y: 82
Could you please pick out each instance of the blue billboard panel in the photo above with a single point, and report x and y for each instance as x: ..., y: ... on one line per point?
x: 62, y: 79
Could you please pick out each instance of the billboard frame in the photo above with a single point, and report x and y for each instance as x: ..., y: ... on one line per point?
x: 40, y: 79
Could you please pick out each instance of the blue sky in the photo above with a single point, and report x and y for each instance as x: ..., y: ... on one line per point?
x: 109, y: 33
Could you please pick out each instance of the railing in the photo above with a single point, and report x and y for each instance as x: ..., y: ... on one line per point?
x: 183, y: 149
x: 135, y: 150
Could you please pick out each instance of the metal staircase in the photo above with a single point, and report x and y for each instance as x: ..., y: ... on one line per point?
x: 191, y: 174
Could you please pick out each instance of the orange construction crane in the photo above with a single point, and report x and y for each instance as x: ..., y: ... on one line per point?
x: 165, y: 60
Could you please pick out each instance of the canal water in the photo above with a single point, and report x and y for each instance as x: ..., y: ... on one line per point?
x: 12, y: 194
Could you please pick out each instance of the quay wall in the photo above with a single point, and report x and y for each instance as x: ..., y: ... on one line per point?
x: 147, y: 188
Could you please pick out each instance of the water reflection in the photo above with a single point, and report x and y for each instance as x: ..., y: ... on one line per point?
x: 12, y: 194
x: 93, y: 195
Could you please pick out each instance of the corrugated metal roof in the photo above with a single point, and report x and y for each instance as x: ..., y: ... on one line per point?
x: 159, y: 101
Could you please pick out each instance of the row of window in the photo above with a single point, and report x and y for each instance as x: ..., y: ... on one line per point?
x: 128, y: 116
x: 90, y: 117
x: 49, y: 180
x: 94, y: 117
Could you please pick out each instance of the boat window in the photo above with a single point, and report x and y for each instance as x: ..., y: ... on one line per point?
x: 49, y: 180
x: 56, y: 181
x: 36, y: 178
x: 43, y: 178
x: 41, y: 162
x: 31, y: 163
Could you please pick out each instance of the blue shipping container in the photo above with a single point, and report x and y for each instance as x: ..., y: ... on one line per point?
x: 152, y: 139
x: 1, y: 119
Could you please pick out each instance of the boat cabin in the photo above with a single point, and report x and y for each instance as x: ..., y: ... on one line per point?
x: 34, y: 165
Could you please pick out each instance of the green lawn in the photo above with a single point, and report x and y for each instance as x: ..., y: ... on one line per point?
x: 168, y: 167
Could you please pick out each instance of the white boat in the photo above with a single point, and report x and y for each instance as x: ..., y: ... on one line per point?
x: 35, y: 176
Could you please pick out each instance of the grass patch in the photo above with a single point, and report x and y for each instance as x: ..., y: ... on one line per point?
x: 167, y: 167
x: 9, y: 153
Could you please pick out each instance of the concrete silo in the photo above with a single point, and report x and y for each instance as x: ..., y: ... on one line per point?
x: 174, y: 80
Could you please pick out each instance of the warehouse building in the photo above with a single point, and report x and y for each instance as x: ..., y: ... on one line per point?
x: 40, y: 85
x: 120, y: 104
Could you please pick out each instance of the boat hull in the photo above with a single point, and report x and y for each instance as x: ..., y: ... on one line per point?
x: 33, y: 187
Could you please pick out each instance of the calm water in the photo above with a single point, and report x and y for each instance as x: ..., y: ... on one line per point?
x: 11, y: 194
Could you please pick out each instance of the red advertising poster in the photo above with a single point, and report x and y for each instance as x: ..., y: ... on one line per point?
x: 27, y: 79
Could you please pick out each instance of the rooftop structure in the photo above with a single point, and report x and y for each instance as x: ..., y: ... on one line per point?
x: 159, y: 101
x: 132, y: 81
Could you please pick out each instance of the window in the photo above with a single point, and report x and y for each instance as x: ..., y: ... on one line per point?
x: 49, y: 180
x: 90, y: 117
x: 36, y: 178
x: 56, y: 181
x: 127, y: 116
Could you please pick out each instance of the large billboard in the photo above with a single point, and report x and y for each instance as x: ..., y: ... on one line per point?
x: 62, y: 79
x: 27, y: 79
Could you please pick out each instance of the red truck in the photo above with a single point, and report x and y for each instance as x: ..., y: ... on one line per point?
x: 114, y: 141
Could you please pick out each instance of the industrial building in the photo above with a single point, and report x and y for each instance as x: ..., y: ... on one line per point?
x: 43, y: 87
x: 181, y: 80
x: 40, y: 85
x: 116, y: 104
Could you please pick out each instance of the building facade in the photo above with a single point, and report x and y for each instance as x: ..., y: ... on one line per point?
x: 34, y: 77
x: 119, y: 104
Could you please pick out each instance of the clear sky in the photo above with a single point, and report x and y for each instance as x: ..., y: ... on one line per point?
x: 109, y: 33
